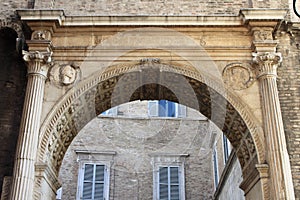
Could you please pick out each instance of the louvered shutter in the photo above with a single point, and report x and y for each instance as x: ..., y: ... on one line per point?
x: 87, y: 191
x: 163, y: 183
x: 93, y: 182
x: 169, y: 185
x: 171, y: 109
x: 99, y: 182
x: 174, y: 183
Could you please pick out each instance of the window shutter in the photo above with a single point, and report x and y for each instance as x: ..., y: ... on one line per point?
x: 87, y: 191
x: 153, y: 108
x: 181, y: 110
x: 93, y: 182
x: 162, y: 108
x: 99, y: 182
x: 169, y: 185
x: 171, y: 109
x: 163, y: 183
x: 174, y: 183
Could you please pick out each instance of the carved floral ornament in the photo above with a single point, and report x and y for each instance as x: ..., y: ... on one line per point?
x: 267, y: 63
x: 260, y: 34
x: 238, y: 76
x: 63, y: 75
x: 38, y: 62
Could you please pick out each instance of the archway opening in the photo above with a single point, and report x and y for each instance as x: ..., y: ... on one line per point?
x: 125, y: 87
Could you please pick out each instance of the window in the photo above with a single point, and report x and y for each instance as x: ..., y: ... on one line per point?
x: 226, y: 148
x: 111, y: 112
x: 216, y: 171
x: 94, y: 174
x: 165, y: 108
x: 94, y: 182
x: 169, y: 183
x: 168, y: 176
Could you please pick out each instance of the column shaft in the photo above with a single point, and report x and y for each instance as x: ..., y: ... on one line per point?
x: 24, y: 169
x: 281, y: 186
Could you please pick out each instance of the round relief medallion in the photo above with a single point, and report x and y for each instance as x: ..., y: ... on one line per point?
x: 238, y: 76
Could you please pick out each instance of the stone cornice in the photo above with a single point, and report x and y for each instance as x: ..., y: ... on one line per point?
x: 243, y: 18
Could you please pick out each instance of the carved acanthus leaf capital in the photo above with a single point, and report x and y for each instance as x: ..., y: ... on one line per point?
x: 38, y: 62
x: 267, y: 63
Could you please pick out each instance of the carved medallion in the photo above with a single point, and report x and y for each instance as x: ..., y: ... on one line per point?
x: 238, y: 76
x: 41, y: 35
x: 65, y: 74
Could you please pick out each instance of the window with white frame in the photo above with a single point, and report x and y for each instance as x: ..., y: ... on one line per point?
x: 111, y: 112
x: 216, y: 170
x: 226, y: 148
x: 169, y: 183
x: 94, y: 174
x: 165, y: 108
x: 168, y: 177
x: 94, y: 182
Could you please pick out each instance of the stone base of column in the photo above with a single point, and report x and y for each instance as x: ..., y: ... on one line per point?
x: 6, y: 187
x: 46, y: 182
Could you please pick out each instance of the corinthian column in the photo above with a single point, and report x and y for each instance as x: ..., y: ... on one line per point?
x: 281, y: 186
x: 23, y: 179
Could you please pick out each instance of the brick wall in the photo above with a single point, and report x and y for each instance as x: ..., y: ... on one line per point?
x: 289, y: 94
x: 158, y: 7
x: 12, y: 90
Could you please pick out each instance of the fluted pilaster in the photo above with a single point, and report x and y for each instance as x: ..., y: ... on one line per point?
x: 24, y: 172
x: 281, y: 186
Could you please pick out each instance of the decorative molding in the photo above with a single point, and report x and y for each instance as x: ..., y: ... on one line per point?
x: 43, y: 60
x: 267, y: 63
x: 262, y: 34
x: 238, y: 76
x: 263, y: 170
x: 41, y: 35
x: 45, y: 172
x: 267, y: 16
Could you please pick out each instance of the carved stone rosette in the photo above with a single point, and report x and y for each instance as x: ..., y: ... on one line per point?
x: 24, y: 170
x: 281, y: 186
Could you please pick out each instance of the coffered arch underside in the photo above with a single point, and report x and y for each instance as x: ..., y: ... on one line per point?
x: 94, y: 95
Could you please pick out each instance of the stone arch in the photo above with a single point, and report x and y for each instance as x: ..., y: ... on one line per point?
x: 94, y: 95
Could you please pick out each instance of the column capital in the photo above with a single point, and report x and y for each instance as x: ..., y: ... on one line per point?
x: 267, y: 63
x: 38, y: 62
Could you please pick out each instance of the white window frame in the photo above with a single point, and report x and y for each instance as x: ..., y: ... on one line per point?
x: 81, y: 179
x: 215, y: 167
x: 170, y: 160
x: 226, y: 148
x: 96, y: 158
x: 153, y: 109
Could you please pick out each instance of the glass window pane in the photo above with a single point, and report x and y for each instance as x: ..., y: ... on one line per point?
x: 99, y: 191
x: 174, y: 175
x: 88, y: 172
x: 162, y: 108
x: 87, y: 190
x: 171, y: 109
x: 163, y: 192
x: 163, y: 175
x: 99, y: 173
x: 174, y: 192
